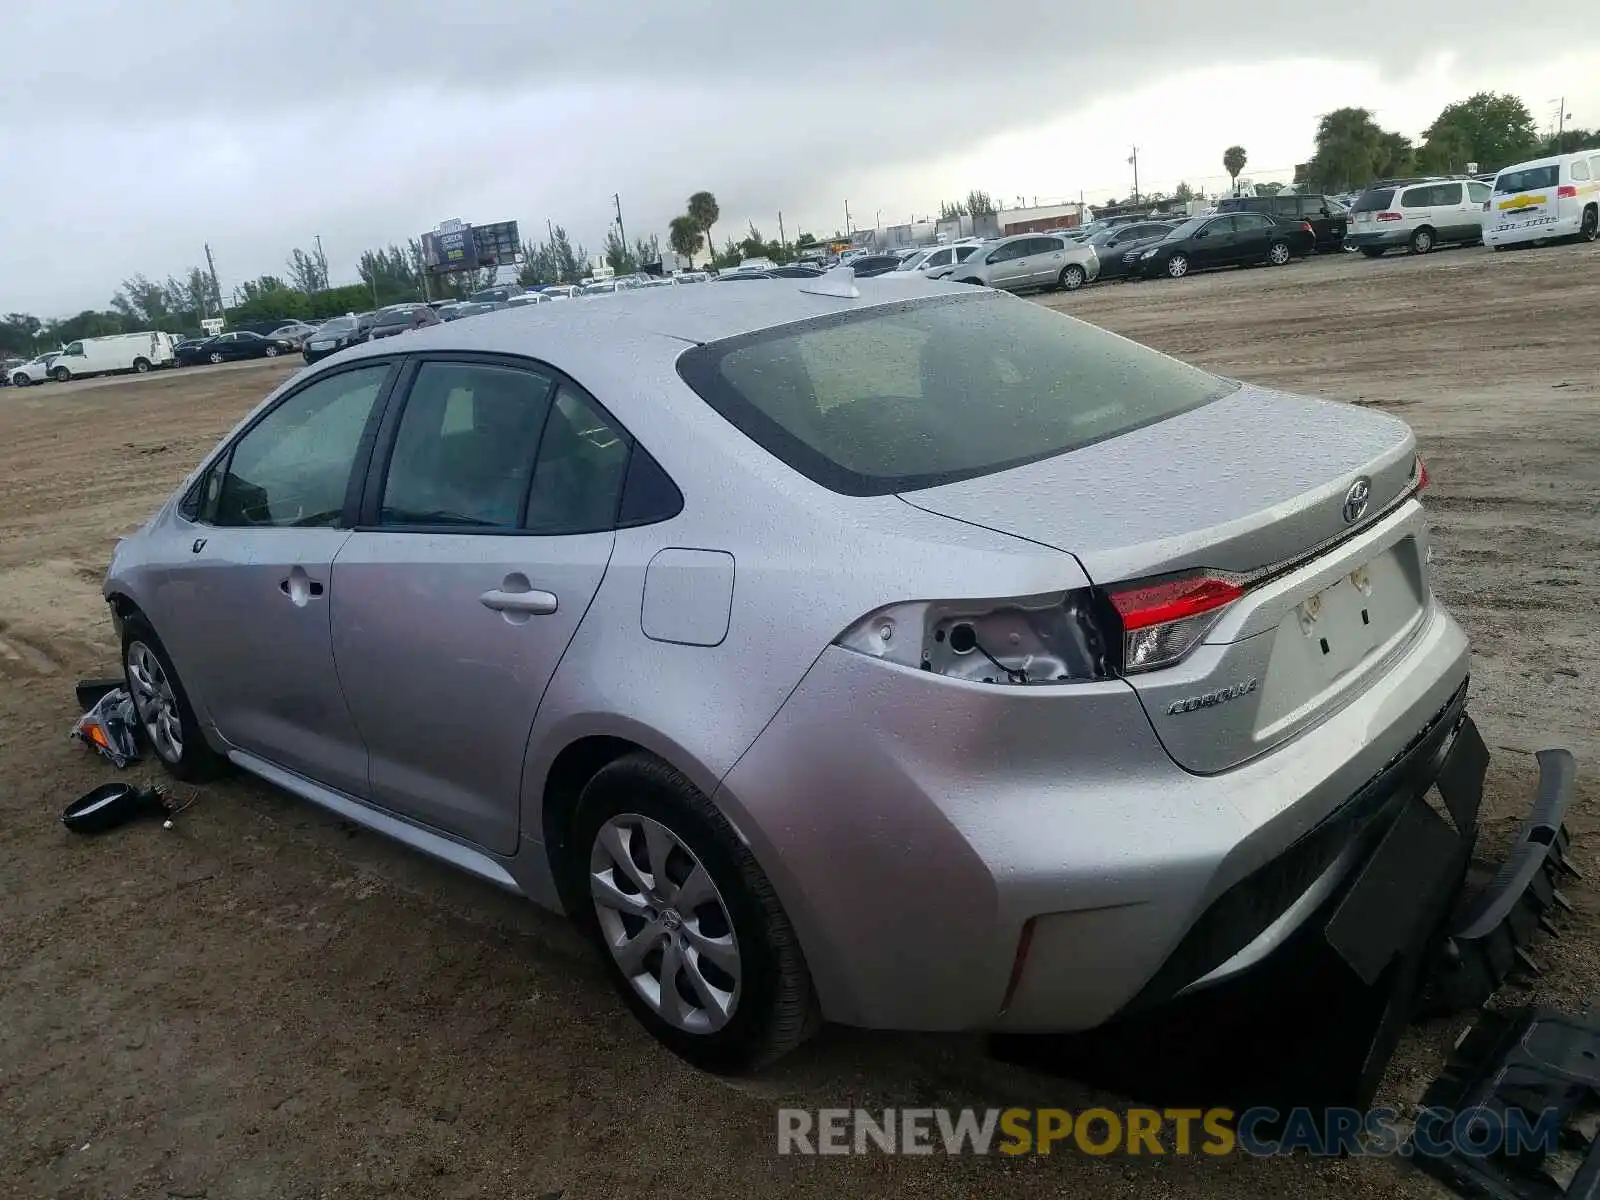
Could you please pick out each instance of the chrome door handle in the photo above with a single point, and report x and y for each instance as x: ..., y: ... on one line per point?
x: 538, y: 604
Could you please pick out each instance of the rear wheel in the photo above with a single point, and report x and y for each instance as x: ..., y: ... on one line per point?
x: 141, y: 365
x: 1278, y: 253
x: 1422, y: 241
x: 1590, y: 228
x: 1178, y: 266
x: 167, y: 724
x: 1072, y: 277
x: 690, y: 930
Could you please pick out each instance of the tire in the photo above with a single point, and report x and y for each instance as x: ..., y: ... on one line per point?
x: 20, y: 380
x: 167, y: 726
x: 772, y: 1008
x: 214, y: 357
x: 1422, y: 241
x: 1372, y: 251
x: 141, y: 365
x: 1177, y: 266
x: 1589, y: 230
x: 272, y: 352
x: 1278, y: 253
x: 1072, y: 277
x: 61, y: 375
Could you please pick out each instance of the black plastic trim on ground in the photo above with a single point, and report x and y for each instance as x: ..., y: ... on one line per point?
x: 1510, y: 1070
x: 1491, y: 937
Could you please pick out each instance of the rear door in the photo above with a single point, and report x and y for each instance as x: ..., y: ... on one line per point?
x: 1253, y: 234
x: 486, y: 526
x: 1450, y: 212
x: 1046, y: 257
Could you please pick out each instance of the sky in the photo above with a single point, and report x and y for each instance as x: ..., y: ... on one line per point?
x: 171, y: 125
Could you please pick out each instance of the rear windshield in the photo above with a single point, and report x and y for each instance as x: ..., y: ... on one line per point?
x: 396, y: 318
x: 1373, y: 200
x: 1528, y: 179
x: 912, y: 395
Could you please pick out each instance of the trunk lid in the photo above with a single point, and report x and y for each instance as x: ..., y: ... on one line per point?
x: 1257, y: 482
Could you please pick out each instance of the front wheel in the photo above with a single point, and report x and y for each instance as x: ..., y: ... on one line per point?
x: 214, y: 357
x: 1178, y: 266
x: 690, y: 930
x: 1278, y: 253
x: 167, y: 724
x: 1072, y: 277
x: 61, y: 375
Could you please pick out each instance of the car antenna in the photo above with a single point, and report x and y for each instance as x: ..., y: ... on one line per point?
x: 840, y: 281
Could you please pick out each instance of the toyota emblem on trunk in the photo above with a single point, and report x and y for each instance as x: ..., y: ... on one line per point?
x: 1355, y: 500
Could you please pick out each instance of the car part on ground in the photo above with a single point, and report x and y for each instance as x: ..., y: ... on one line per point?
x: 1517, y: 1093
x: 110, y: 726
x: 111, y: 805
x: 1490, y: 936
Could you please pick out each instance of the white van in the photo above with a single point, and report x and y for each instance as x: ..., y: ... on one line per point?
x: 120, y: 352
x: 1545, y: 198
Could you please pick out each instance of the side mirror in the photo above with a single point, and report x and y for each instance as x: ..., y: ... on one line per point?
x: 1200, y: 233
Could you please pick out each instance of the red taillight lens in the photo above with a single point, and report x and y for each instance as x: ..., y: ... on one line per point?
x: 1306, y: 225
x: 1420, y: 475
x: 1567, y: 192
x: 1163, y: 620
x: 1388, y: 216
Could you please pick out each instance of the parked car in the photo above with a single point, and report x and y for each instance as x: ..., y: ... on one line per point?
x: 935, y: 262
x: 332, y: 337
x: 1417, y: 215
x: 1081, y: 233
x: 477, y: 309
x: 403, y: 320
x: 1224, y: 240
x: 495, y: 295
x: 234, y: 347
x: 34, y: 370
x: 1118, y: 247
x: 1030, y: 260
x: 1049, y: 621
x: 786, y: 271
x: 867, y: 265
x: 294, y: 333
x: 1329, y: 220
x: 138, y: 352
x: 1545, y: 198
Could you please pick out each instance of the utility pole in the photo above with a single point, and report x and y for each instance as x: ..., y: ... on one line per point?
x: 782, y: 240
x: 1134, y: 159
x: 216, y: 288
x: 322, y: 274
x: 847, y: 218
x: 616, y: 198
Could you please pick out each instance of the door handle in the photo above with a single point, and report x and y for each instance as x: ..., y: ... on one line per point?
x: 288, y: 587
x: 533, y: 603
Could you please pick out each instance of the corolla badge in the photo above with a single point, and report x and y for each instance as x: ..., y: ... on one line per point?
x: 1356, y: 500
x: 1212, y: 699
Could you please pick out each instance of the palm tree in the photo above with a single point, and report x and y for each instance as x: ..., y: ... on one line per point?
x: 703, y: 208
x: 1233, y: 160
x: 685, y: 236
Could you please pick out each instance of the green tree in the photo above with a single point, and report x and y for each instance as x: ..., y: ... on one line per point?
x: 1350, y: 150
x: 1488, y: 129
x: 647, y: 250
x: 572, y: 262
x: 86, y: 324
x: 703, y: 208
x: 685, y: 236
x: 1569, y: 140
x: 949, y: 210
x: 308, y: 272
x: 618, y: 254
x: 143, y: 304
x: 1233, y: 160
x: 805, y: 241
x: 1268, y: 189
x: 979, y: 203
x: 1396, y: 157
x: 1183, y: 193
x: 19, y: 333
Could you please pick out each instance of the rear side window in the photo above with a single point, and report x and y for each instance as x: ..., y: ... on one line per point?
x: 583, y: 462
x: 1580, y: 170
x: 1285, y: 206
x: 1417, y: 197
x: 965, y: 252
x: 1528, y: 179
x: 887, y: 399
x: 1373, y: 200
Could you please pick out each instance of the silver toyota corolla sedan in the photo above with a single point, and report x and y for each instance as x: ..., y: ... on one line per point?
x: 900, y: 654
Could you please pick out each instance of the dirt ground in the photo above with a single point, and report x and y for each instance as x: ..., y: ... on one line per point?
x: 266, y: 1002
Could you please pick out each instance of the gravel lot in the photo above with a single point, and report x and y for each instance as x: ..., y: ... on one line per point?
x: 266, y: 1002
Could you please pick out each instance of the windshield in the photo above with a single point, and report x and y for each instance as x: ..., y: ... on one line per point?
x: 402, y: 317
x: 1528, y: 179
x: 339, y: 325
x: 1186, y: 228
x: 885, y: 400
x: 912, y: 262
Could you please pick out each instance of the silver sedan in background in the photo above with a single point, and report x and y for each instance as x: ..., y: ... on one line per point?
x: 883, y: 651
x: 1031, y: 260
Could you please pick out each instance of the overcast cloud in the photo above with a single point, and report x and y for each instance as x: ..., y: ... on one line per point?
x: 136, y: 133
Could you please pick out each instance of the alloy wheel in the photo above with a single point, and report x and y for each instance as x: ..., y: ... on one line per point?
x: 155, y: 702
x: 216, y: 357
x: 1072, y: 277
x: 1177, y: 266
x: 1591, y: 225
x: 1279, y: 254
x: 665, y: 923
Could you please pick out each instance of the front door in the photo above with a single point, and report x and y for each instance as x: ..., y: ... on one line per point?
x: 242, y: 601
x: 1216, y: 247
x: 1006, y: 264
x: 478, y: 554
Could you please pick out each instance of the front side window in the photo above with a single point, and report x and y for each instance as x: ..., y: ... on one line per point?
x: 464, y: 451
x: 965, y: 252
x: 881, y: 401
x: 1222, y: 226
x: 292, y: 467
x: 75, y: 350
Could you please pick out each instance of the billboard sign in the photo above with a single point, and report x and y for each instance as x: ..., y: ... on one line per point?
x: 458, y: 246
x: 497, y: 245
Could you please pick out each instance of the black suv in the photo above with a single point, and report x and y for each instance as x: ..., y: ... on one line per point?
x: 1327, y: 217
